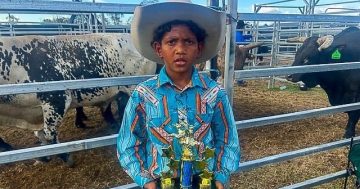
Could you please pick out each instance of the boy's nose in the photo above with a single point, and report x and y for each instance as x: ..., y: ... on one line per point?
x: 180, y: 48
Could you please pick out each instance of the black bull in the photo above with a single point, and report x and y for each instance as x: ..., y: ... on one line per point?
x: 39, y: 59
x: 341, y: 87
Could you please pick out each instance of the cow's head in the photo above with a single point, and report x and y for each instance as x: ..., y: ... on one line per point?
x: 309, y: 54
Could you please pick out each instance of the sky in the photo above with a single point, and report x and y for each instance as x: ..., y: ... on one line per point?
x: 244, y: 6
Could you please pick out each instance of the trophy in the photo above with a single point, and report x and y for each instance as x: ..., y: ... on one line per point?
x: 188, y: 160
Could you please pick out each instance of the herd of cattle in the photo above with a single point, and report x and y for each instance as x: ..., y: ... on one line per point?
x: 50, y: 58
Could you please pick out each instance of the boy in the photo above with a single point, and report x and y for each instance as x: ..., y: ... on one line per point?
x: 178, y: 34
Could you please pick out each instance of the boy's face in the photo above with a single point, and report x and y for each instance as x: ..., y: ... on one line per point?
x: 179, y: 49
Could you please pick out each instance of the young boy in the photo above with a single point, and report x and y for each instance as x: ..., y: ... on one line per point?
x: 178, y: 34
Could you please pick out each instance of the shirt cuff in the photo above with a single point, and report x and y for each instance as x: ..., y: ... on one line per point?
x: 142, y: 179
x: 222, y: 176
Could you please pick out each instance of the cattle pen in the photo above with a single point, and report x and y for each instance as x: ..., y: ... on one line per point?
x: 308, y: 17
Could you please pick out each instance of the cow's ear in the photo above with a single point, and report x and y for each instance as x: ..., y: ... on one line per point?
x: 157, y: 48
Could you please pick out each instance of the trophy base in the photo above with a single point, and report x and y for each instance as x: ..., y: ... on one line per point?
x: 197, y: 183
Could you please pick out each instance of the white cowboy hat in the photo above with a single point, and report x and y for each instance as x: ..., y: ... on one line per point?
x: 150, y: 17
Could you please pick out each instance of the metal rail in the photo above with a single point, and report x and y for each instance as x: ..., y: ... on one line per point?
x: 244, y: 166
x: 295, y: 69
x: 36, y: 7
x: 318, y: 180
x: 282, y: 118
x: 21, y: 88
x: 297, y: 17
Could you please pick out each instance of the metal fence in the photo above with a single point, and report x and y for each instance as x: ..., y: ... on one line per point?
x: 29, y: 153
x: 23, y: 154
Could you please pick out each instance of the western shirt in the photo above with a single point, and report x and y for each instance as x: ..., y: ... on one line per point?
x: 149, y: 126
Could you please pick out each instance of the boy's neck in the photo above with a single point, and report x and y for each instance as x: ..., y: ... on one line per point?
x: 180, y: 80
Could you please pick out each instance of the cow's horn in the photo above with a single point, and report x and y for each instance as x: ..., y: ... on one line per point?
x: 325, y: 42
x: 253, y: 45
x: 296, y: 39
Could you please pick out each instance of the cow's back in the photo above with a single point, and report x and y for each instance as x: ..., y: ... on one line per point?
x: 51, y: 58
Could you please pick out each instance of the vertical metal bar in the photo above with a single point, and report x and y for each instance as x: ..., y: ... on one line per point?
x: 256, y: 25
x: 230, y: 49
x: 273, y: 51
x: 82, y: 23
x: 256, y: 34
x: 103, y: 22
x: 90, y: 26
x: 212, y: 64
x: 95, y: 21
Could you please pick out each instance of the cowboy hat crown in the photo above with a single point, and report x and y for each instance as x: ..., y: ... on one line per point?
x: 149, y: 17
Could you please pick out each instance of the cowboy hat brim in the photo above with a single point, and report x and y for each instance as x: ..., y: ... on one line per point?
x: 148, y: 18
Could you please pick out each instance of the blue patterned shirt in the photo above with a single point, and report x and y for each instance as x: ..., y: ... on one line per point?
x: 148, y: 126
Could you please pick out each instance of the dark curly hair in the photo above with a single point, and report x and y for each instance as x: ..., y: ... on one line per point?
x: 164, y: 28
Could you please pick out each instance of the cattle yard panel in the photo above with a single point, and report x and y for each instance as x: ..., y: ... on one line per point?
x: 29, y: 153
x: 56, y: 7
x: 244, y: 16
x: 282, y: 118
x: 22, y: 88
x: 318, y: 181
x: 279, y: 34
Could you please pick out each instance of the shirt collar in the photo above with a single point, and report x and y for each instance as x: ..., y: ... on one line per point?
x: 196, y: 78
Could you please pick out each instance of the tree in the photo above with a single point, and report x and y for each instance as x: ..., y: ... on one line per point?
x: 146, y: 2
x: 116, y: 18
x: 57, y: 19
x: 12, y: 18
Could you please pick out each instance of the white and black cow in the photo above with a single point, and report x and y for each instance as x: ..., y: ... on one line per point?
x: 28, y: 59
x: 342, y: 87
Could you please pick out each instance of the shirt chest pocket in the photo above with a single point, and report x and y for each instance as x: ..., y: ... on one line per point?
x: 159, y: 130
x: 204, y: 118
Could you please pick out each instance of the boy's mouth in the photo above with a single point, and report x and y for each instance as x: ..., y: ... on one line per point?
x: 180, y: 61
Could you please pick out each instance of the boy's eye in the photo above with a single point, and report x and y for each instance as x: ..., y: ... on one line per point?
x: 171, y: 42
x: 189, y: 42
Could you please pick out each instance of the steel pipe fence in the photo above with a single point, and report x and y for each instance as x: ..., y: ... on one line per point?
x: 53, y: 149
x: 42, y: 7
x: 295, y: 69
x: 27, y: 6
x: 21, y: 88
x: 29, y: 153
x: 318, y: 180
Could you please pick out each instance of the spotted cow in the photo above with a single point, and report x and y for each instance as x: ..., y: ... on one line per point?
x: 26, y: 59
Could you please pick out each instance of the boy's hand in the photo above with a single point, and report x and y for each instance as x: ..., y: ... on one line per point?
x: 219, y: 185
x: 150, y: 185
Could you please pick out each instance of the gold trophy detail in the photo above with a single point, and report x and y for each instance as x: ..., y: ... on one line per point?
x: 188, y: 160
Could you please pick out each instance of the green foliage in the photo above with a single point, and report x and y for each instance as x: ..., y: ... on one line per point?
x: 289, y: 87
x: 57, y: 19
x: 146, y: 2
x: 116, y: 19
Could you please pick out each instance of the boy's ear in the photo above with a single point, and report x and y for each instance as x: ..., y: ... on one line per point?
x: 157, y: 48
x: 200, y: 49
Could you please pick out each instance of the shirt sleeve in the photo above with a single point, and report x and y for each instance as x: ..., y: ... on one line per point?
x: 131, y: 141
x: 227, y: 149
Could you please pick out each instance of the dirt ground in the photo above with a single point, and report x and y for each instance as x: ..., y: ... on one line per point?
x: 99, y: 168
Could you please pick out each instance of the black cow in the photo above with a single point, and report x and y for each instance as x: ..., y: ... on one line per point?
x: 342, y: 87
